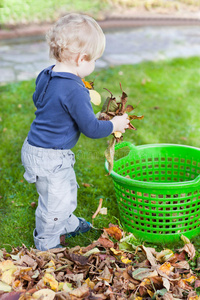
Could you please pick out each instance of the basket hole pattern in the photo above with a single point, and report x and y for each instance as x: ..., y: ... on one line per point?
x: 160, y: 169
x: 159, y: 213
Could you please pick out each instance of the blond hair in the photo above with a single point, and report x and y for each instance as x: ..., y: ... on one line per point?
x: 75, y: 34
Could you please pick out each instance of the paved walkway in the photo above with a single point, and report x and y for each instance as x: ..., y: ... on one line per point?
x: 24, y: 60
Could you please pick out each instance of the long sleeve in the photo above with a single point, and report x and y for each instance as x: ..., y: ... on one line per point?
x: 81, y: 111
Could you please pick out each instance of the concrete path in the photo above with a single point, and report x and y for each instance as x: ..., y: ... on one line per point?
x: 24, y: 60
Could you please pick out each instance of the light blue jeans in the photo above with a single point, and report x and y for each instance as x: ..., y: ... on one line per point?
x: 53, y: 174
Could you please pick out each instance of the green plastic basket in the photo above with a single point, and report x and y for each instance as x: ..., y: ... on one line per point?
x: 158, y: 191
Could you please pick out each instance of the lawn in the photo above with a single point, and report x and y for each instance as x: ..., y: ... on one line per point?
x: 35, y: 11
x: 166, y: 93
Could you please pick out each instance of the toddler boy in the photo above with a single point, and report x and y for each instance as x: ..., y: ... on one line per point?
x: 63, y: 112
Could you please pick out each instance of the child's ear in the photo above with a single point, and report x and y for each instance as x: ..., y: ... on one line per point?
x: 81, y: 57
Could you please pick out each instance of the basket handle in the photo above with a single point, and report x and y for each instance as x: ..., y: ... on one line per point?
x: 125, y: 144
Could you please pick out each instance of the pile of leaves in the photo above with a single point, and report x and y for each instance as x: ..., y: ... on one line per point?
x: 113, y: 267
x: 110, y: 109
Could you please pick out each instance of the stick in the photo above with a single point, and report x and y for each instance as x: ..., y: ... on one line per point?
x: 98, y: 209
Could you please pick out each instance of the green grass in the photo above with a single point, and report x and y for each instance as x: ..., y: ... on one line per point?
x: 19, y: 12
x: 169, y: 100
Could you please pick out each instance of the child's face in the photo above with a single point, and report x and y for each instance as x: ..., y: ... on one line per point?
x: 86, y: 68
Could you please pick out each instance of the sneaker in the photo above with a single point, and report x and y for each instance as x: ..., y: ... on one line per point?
x: 83, y: 227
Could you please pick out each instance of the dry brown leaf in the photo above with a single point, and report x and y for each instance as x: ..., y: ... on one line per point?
x: 106, y: 243
x: 44, y: 294
x: 166, y: 268
x: 80, y: 292
x: 115, y: 232
x: 190, y: 250
x: 150, y: 257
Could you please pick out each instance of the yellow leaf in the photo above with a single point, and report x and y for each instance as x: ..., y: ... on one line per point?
x: 64, y: 286
x: 6, y: 265
x: 125, y: 260
x: 87, y: 84
x: 17, y: 285
x: 50, y: 264
x: 166, y: 268
x: 191, y: 279
x: 145, y: 281
x: 117, y: 134
x: 5, y: 287
x: 117, y: 252
x: 185, y: 239
x: 44, y: 294
x: 49, y: 280
x: 151, y: 294
x: 89, y: 283
x: 164, y: 255
x: 95, y: 97
x: 7, y: 275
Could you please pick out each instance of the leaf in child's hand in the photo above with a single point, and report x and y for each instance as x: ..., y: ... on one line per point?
x: 88, y: 85
x: 129, y: 108
x: 104, y: 116
x: 117, y: 134
x: 132, y: 117
x: 95, y: 97
x: 109, y: 154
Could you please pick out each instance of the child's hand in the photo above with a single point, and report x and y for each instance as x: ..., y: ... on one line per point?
x: 120, y: 123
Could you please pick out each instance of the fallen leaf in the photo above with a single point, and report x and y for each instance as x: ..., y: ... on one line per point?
x: 86, y: 184
x: 64, y: 286
x: 125, y: 260
x: 166, y: 283
x: 92, y: 251
x: 7, y: 275
x: 166, y: 268
x: 149, y: 255
x: 106, y: 243
x: 80, y: 292
x: 5, y: 287
x: 182, y: 265
x: 142, y: 273
x: 90, y: 283
x: 164, y: 255
x: 103, y: 211
x: 44, y: 294
x: 190, y: 250
x: 50, y: 281
x: 115, y: 232
x: 185, y: 239
x: 197, y: 284
x: 6, y: 265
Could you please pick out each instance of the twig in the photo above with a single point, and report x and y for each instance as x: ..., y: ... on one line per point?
x: 98, y: 209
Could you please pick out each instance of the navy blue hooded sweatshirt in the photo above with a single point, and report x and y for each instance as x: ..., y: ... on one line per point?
x: 63, y: 111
